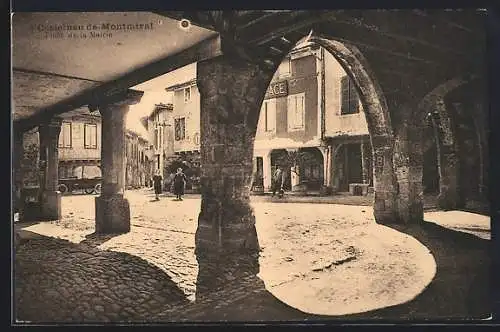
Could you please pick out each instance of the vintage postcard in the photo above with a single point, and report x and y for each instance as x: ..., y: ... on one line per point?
x: 250, y: 166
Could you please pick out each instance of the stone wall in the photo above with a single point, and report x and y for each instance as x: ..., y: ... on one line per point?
x: 29, y: 161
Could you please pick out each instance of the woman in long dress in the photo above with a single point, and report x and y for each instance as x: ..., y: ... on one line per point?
x: 157, y: 183
x: 179, y: 184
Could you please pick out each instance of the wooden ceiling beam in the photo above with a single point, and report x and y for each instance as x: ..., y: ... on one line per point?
x: 301, y: 20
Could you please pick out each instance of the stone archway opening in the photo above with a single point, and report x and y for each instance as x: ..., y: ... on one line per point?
x: 310, y: 171
x: 379, y: 126
x: 457, y: 133
x: 315, y: 231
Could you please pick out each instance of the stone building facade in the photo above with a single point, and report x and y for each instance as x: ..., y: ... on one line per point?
x: 138, y: 161
x: 158, y: 124
x: 80, y: 145
x: 311, y: 122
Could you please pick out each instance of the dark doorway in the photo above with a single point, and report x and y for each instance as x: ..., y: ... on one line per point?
x: 430, y: 176
x: 351, y: 166
x: 311, y: 170
x: 258, y: 179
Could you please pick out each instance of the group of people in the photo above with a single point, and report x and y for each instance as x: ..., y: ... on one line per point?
x: 179, y: 183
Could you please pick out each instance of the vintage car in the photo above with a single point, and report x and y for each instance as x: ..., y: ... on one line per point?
x: 87, y: 178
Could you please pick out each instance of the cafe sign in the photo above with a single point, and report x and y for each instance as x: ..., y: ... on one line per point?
x: 277, y: 89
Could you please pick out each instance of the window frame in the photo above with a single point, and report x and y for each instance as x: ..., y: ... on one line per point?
x: 156, y: 139
x: 187, y: 96
x: 292, y: 126
x: 85, y: 145
x: 266, y: 113
x: 180, y: 136
x: 63, y: 146
x: 351, y: 100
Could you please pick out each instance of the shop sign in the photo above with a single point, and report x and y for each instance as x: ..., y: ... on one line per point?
x: 277, y: 89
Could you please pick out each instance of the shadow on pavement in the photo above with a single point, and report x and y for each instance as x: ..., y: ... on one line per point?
x: 57, y: 281
x: 95, y: 239
x: 461, y: 286
x: 459, y: 291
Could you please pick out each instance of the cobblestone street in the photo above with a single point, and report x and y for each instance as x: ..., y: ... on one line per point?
x: 317, y: 260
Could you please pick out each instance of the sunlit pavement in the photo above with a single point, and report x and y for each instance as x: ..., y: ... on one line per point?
x: 322, y: 259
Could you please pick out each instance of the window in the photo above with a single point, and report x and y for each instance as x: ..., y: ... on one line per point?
x: 90, y: 138
x: 157, y: 138
x: 65, y: 135
x: 268, y: 112
x: 350, y: 99
x: 187, y: 94
x: 180, y: 129
x: 284, y: 68
x: 296, y: 110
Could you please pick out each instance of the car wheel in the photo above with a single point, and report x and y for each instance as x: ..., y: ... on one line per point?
x: 89, y: 190
x: 62, y: 188
x: 97, y: 188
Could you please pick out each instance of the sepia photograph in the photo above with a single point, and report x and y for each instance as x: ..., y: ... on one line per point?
x: 250, y: 166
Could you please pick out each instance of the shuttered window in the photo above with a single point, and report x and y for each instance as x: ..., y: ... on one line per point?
x: 268, y: 115
x: 65, y: 135
x: 350, y: 99
x: 296, y: 111
x: 180, y: 129
x: 90, y: 138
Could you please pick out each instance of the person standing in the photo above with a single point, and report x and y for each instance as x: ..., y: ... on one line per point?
x: 277, y: 181
x: 157, y: 179
x: 179, y: 184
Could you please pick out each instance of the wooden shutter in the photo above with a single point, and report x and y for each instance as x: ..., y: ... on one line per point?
x: 353, y: 98
x: 344, y: 87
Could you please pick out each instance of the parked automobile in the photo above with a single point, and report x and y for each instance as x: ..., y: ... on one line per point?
x: 87, y: 178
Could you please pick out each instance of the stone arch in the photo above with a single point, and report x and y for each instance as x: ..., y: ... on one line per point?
x: 433, y: 106
x: 379, y: 125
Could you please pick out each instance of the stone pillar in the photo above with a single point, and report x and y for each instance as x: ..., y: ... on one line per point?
x: 385, y: 208
x: 50, y: 200
x: 408, y: 164
x: 367, y: 155
x: 17, y: 170
x: 231, y: 93
x: 332, y: 150
x: 111, y: 208
x: 449, y: 196
x: 295, y: 172
x: 266, y: 170
x: 364, y: 163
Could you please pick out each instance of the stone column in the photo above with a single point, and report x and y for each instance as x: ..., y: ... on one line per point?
x: 449, y: 196
x: 17, y: 170
x: 266, y: 170
x: 231, y: 93
x: 333, y: 149
x: 111, y: 208
x: 384, y: 180
x: 295, y: 172
x: 50, y: 200
x: 365, y: 162
x: 324, y: 154
x: 408, y: 164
